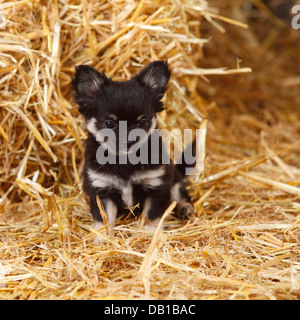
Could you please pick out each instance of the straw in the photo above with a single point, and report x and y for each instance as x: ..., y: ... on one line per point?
x: 234, y: 76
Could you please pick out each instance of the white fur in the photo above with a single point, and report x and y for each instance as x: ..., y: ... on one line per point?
x: 146, y: 208
x: 100, y: 180
x: 91, y: 126
x: 98, y: 225
x: 153, y: 81
x: 111, y: 211
x: 175, y: 194
x: 153, y: 125
x: 96, y: 84
x: 150, y: 81
x: 151, y: 225
x: 149, y: 178
x: 127, y: 195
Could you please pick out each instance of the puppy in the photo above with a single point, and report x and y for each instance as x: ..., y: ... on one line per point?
x: 114, y: 110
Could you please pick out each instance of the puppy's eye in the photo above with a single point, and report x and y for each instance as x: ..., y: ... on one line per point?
x: 109, y: 124
x: 142, y: 123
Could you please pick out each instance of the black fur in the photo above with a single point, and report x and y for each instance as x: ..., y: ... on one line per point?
x: 99, y: 97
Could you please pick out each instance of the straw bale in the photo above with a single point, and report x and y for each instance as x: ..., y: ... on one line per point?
x: 243, y: 240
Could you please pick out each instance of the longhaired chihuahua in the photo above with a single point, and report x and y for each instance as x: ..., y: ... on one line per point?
x: 122, y: 108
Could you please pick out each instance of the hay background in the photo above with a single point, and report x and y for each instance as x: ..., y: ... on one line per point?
x: 242, y: 243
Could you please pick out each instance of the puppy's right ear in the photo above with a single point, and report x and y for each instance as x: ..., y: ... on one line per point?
x: 155, y: 77
x: 87, y: 85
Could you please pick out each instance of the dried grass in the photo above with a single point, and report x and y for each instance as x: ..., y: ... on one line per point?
x: 242, y: 243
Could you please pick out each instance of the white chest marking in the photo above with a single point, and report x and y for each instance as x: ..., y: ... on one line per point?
x: 149, y: 178
x: 100, y: 180
x: 127, y: 195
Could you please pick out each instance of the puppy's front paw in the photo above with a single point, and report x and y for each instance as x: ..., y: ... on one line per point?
x: 185, y: 210
x: 98, y: 241
x: 150, y: 226
x: 99, y: 226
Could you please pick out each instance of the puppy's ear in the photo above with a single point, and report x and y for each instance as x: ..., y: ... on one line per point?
x: 155, y: 78
x: 87, y: 84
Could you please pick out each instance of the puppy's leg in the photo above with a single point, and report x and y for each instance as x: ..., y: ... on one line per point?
x: 154, y: 207
x: 111, y: 212
x: 184, y: 206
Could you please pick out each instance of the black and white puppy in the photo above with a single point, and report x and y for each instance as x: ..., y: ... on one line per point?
x: 107, y: 104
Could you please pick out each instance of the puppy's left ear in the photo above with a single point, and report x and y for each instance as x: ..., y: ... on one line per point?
x: 87, y: 80
x: 87, y: 85
x: 155, y: 78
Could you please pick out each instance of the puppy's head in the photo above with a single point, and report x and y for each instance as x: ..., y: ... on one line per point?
x: 108, y: 104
